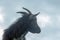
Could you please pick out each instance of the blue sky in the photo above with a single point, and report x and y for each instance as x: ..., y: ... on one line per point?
x: 48, y: 19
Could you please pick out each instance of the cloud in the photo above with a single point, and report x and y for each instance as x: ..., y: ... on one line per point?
x: 19, y: 7
x: 48, y: 7
x: 1, y: 32
x: 58, y: 18
x: 2, y: 12
x: 58, y: 21
x: 51, y: 36
x: 43, y: 20
x: 1, y: 18
x: 46, y: 38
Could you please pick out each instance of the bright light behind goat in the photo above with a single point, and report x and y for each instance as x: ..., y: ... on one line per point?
x: 1, y: 21
x: 1, y: 32
x: 43, y: 20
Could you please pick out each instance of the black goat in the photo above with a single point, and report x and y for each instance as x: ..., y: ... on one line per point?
x: 21, y: 27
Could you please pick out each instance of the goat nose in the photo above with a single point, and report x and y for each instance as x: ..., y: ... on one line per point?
x: 39, y: 30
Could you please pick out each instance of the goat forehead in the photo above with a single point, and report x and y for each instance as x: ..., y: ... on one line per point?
x: 31, y: 16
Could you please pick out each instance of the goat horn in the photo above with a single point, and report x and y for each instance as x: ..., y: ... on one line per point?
x: 22, y: 12
x: 37, y: 14
x: 27, y: 10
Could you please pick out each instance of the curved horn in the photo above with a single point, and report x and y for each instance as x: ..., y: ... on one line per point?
x: 37, y: 14
x: 22, y: 12
x: 27, y: 10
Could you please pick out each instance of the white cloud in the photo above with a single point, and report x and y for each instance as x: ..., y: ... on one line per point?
x: 58, y: 21
x: 1, y: 32
x: 2, y: 12
x: 43, y: 20
x: 1, y: 18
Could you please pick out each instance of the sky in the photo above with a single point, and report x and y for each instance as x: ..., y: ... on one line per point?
x: 48, y: 19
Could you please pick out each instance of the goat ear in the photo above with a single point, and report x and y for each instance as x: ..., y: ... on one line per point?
x: 37, y: 14
x: 27, y: 10
x: 22, y: 13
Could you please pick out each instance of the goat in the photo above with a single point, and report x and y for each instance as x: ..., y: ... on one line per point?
x: 25, y: 24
